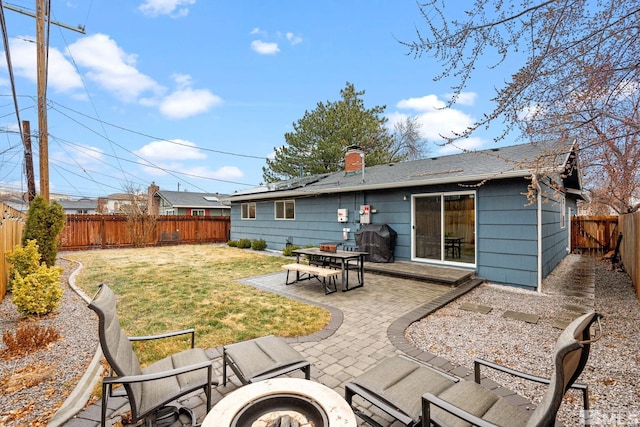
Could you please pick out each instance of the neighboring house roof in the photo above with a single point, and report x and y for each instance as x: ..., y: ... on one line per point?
x: 550, y: 157
x: 184, y: 199
x: 81, y: 204
x: 122, y: 196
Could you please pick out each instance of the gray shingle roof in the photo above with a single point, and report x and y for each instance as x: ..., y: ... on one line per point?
x: 88, y: 204
x: 468, y: 167
x: 185, y: 199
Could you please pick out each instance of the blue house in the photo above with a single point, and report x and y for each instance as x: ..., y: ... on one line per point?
x: 503, y: 212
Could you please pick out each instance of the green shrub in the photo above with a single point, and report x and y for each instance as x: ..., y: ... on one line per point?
x: 39, y: 292
x: 23, y: 260
x: 288, y: 250
x: 244, y: 243
x: 232, y: 243
x: 258, y: 244
x: 44, y: 224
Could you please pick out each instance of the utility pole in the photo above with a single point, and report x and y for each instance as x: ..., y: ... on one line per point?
x: 41, y: 57
x: 42, y: 15
x: 28, y: 160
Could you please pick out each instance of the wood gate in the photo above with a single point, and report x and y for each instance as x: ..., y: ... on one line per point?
x: 593, y: 235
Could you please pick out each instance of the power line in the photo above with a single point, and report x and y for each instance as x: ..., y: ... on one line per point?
x: 144, y: 163
x: 88, y: 93
x: 5, y: 40
x: 158, y: 138
x: 148, y: 163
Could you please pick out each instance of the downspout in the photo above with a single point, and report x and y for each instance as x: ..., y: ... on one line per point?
x: 539, y: 214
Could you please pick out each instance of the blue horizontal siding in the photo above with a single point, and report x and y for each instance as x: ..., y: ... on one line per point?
x: 507, y: 234
x: 506, y: 226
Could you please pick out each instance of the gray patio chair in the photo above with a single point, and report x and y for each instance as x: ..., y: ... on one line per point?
x: 152, y: 389
x: 396, y: 387
x: 262, y: 358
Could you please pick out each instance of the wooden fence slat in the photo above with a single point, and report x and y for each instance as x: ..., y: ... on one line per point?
x: 630, y: 247
x: 11, y: 228
x: 82, y: 232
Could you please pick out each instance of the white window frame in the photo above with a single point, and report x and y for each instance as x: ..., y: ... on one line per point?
x: 197, y: 212
x: 170, y: 212
x: 284, y: 204
x: 246, y: 209
x: 563, y: 211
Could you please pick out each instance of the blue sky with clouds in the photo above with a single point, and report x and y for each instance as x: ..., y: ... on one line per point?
x: 197, y: 93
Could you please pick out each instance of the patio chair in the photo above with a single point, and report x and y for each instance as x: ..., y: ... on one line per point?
x: 461, y: 403
x: 262, y: 358
x: 149, y: 390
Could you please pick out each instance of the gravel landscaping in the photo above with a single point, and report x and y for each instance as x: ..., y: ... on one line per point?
x: 613, y: 369
x: 34, y: 386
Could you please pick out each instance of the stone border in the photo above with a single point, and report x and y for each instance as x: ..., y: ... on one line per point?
x: 81, y: 393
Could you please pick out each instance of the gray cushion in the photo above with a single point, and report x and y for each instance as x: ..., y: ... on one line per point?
x: 154, y: 393
x: 261, y: 355
x: 466, y: 395
x: 503, y: 413
x: 402, y: 382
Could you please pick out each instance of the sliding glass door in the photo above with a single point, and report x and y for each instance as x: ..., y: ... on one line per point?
x: 444, y: 227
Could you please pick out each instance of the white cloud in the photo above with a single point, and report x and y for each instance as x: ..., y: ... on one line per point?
x: 434, y: 118
x: 532, y: 111
x: 462, y: 145
x: 172, y: 8
x: 265, y: 48
x: 85, y: 156
x: 425, y: 103
x: 176, y: 149
x: 181, y: 156
x: 293, y: 39
x: 62, y: 76
x: 112, y: 68
x: 225, y: 172
x: 185, y: 101
x: 464, y: 98
x: 258, y: 31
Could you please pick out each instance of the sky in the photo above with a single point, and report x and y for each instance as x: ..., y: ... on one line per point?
x: 194, y: 95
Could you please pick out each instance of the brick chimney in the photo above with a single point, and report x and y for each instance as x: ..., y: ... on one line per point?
x: 153, y: 205
x: 353, y: 160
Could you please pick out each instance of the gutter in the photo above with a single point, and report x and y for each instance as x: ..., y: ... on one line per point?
x: 539, y: 219
x: 315, y: 191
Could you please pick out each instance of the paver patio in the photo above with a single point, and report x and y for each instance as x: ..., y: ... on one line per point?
x: 367, y: 325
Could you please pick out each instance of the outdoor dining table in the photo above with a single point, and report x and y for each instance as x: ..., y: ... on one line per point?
x: 338, y: 258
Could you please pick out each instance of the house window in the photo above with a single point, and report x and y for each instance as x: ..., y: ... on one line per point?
x: 285, y: 209
x: 197, y: 212
x: 170, y: 212
x: 563, y: 212
x: 249, y: 210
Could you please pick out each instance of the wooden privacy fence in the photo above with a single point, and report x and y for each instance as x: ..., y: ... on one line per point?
x: 630, y: 247
x: 11, y: 227
x: 593, y: 235
x: 82, y: 232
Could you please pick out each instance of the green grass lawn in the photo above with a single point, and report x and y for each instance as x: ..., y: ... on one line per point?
x: 168, y: 288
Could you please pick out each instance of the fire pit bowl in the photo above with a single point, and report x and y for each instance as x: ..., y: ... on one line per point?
x: 266, y: 403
